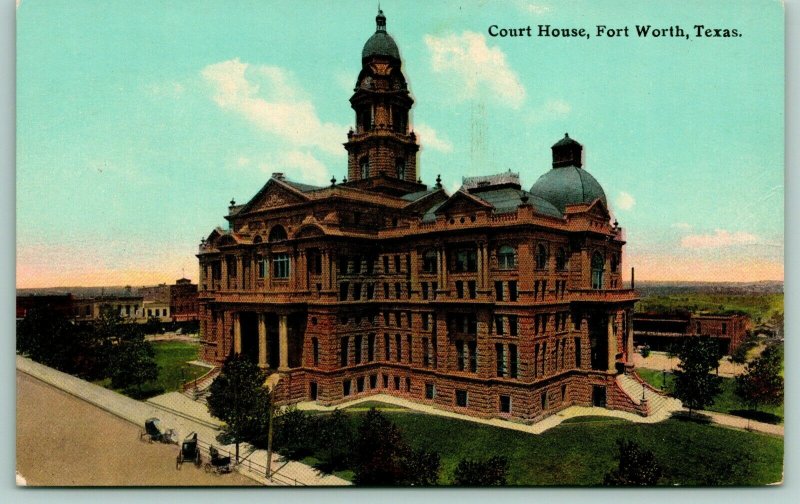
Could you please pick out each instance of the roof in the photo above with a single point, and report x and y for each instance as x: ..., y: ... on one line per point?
x: 507, y: 199
x: 417, y: 195
x: 565, y: 141
x: 380, y: 43
x: 301, y: 187
x: 568, y: 185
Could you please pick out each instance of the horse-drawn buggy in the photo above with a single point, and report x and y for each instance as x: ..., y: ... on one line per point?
x: 189, y: 452
x: 154, y: 432
x: 218, y: 463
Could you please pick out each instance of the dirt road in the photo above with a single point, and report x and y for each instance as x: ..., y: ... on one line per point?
x: 64, y: 441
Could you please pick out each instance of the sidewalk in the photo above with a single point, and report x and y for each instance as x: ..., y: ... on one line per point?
x: 177, y: 414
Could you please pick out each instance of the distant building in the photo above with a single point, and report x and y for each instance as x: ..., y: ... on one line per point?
x: 61, y: 304
x: 183, y: 301
x: 159, y: 293
x: 129, y: 308
x: 155, y: 310
x: 660, y: 331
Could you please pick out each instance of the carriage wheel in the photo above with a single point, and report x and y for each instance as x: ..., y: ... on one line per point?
x: 198, y: 460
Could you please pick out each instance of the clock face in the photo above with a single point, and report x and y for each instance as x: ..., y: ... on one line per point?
x: 380, y: 68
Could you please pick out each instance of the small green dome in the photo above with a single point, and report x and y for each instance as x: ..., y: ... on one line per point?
x: 380, y: 43
x: 568, y: 185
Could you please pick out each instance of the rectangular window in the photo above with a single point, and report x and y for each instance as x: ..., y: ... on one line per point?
x: 408, y: 319
x: 505, y: 404
x: 424, y: 290
x: 386, y: 319
x: 425, y: 352
x: 398, y: 347
x: 386, y: 265
x: 544, y: 400
x: 344, y: 350
x: 370, y: 291
x: 409, y: 349
x: 360, y: 384
x: 577, y: 353
x: 473, y: 356
x: 385, y: 290
x: 315, y: 350
x: 373, y: 381
x: 358, y: 341
x: 397, y: 290
x: 371, y: 347
x: 397, y: 383
x: 397, y: 264
x: 498, y: 291
x: 344, y: 287
x: 512, y: 361
x: 512, y: 290
x: 386, y: 347
x: 499, y: 327
x: 408, y: 290
x: 357, y: 264
x: 408, y: 384
x: 472, y: 289
x: 425, y: 324
x: 430, y: 391
x: 724, y: 328
x: 466, y: 261
x: 459, y: 289
x: 346, y: 388
x: 434, y: 288
x: 370, y: 265
x: 429, y: 261
x: 460, y: 355
x: 386, y: 381
x: 397, y: 321
x: 461, y: 398
x: 343, y: 260
x: 357, y: 291
x: 501, y: 359
x: 512, y: 325
x: 312, y: 390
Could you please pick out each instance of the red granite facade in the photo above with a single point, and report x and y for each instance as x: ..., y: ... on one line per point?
x: 493, y: 301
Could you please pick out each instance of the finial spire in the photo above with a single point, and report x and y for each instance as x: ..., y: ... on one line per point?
x: 380, y: 21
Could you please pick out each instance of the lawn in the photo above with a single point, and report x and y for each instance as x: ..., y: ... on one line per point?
x: 581, y: 451
x: 726, y: 401
x: 172, y: 358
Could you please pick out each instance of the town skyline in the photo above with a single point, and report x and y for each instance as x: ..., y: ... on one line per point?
x: 131, y: 128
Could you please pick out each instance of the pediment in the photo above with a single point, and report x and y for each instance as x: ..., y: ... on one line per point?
x: 462, y: 202
x: 274, y: 194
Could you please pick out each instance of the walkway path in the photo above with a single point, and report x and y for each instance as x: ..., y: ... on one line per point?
x: 177, y: 414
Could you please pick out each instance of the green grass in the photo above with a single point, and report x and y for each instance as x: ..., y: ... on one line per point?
x: 759, y: 307
x: 725, y: 402
x: 173, y: 369
x: 580, y: 451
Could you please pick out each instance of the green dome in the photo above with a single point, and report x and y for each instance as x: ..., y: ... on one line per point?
x: 568, y: 185
x: 380, y: 44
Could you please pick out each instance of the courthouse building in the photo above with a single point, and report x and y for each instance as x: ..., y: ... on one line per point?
x: 494, y: 301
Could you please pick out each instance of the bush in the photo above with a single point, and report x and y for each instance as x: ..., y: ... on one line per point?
x: 636, y: 467
x: 491, y: 472
x: 645, y: 351
x: 295, y: 434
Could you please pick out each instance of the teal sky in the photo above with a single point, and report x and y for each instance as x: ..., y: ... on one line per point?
x: 138, y: 121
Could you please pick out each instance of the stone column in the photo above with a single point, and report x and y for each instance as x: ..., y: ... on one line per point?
x: 326, y: 268
x: 253, y: 270
x: 480, y: 265
x: 485, y: 255
x: 442, y: 268
x: 413, y: 273
x: 283, y: 342
x: 239, y: 273
x: 629, y: 336
x: 224, y: 273
x: 612, y: 343
x: 237, y: 333
x: 262, y: 341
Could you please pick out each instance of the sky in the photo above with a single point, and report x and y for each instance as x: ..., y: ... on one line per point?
x: 138, y: 121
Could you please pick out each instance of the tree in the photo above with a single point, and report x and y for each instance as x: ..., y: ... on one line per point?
x: 132, y: 364
x: 695, y: 386
x: 636, y: 466
x: 762, y: 383
x: 336, y: 434
x: 382, y: 456
x: 295, y: 433
x: 238, y: 397
x: 490, y: 472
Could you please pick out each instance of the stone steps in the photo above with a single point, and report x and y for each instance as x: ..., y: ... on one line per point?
x: 658, y: 404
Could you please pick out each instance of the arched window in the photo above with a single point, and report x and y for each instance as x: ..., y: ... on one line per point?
x: 614, y: 263
x: 257, y: 240
x: 429, y: 261
x: 541, y: 256
x: 400, y: 164
x: 598, y: 263
x: 277, y: 234
x: 364, y: 167
x: 561, y: 259
x: 506, y: 257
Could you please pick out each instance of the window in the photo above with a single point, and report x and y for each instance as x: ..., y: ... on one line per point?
x: 697, y: 328
x: 409, y: 348
x: 358, y: 341
x: 262, y: 266
x: 357, y: 264
x: 276, y: 234
x: 597, y: 270
x: 343, y: 262
x: 466, y: 261
x: 512, y: 360
x: 461, y: 398
x: 430, y: 391
x: 563, y: 393
x: 472, y: 289
x: 398, y: 347
x: 346, y: 387
x: 501, y: 359
x: 541, y: 256
x: 364, y: 164
x: 397, y: 264
x: 577, y: 353
x: 561, y: 259
x: 387, y: 347
x: 371, y: 347
x: 280, y: 266
x: 544, y: 400
x: 499, y: 326
x: 512, y: 290
x: 425, y: 323
x: 344, y: 287
x: 512, y: 325
x: 505, y: 404
x: 315, y: 350
x: 385, y: 291
x: 386, y: 264
x: 459, y: 289
x: 356, y: 291
x: 614, y: 263
x: 429, y: 261
x: 373, y: 381
x: 370, y: 291
x: 506, y: 257
x: 312, y: 390
x: 344, y: 350
x: 397, y: 383
x: 360, y: 384
x: 426, y: 357
x: 724, y: 328
x: 498, y: 291
x: 397, y: 290
x: 408, y: 384
x: 386, y: 381
x: 424, y: 290
x: 400, y: 164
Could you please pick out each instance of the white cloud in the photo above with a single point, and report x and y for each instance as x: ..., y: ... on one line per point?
x: 428, y: 138
x: 268, y: 97
x: 533, y: 8
x: 300, y: 166
x: 454, y: 187
x: 475, y: 67
x: 625, y: 201
x: 720, y: 238
x: 242, y: 161
x: 683, y: 226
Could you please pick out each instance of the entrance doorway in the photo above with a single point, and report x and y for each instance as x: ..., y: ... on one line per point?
x: 248, y: 324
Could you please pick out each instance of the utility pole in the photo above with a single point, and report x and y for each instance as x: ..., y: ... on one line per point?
x: 269, y: 439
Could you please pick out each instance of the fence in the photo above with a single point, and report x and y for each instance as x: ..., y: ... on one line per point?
x: 251, y: 465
